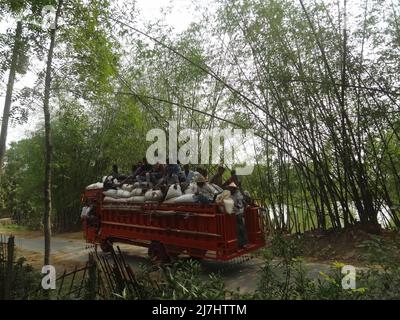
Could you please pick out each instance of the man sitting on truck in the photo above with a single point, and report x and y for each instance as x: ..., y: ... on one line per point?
x: 217, y: 178
x: 172, y: 172
x: 136, y: 169
x: 203, y: 172
x: 111, y: 181
x: 144, y: 169
x: 187, y: 174
x: 204, y: 193
x: 157, y: 173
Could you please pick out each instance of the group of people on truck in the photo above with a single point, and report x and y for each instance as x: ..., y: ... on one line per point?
x: 162, y: 176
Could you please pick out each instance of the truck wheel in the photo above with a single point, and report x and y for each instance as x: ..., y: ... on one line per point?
x: 197, y: 254
x: 173, y: 252
x: 106, y: 246
x: 157, y: 252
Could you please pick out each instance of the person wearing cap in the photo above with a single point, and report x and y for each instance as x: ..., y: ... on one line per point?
x: 204, y: 192
x: 202, y: 171
x: 239, y: 205
x: 233, y: 178
x: 171, y: 173
x: 217, y: 178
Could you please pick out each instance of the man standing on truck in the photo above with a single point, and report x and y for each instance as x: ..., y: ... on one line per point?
x: 239, y: 206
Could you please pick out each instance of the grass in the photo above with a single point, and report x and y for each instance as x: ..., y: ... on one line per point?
x: 13, y: 228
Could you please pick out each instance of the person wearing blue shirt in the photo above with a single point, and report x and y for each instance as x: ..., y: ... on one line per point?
x: 171, y: 175
x: 187, y: 173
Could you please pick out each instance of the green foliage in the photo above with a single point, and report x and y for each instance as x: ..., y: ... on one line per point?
x: 383, y: 279
x: 24, y: 280
x: 11, y: 228
x: 288, y: 278
x: 181, y: 280
x: 84, y: 151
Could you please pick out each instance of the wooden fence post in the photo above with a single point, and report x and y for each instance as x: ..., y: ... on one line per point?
x: 91, y: 287
x: 9, y: 269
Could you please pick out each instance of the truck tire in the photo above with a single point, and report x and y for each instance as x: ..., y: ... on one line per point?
x: 197, y: 254
x: 106, y: 246
x: 157, y: 252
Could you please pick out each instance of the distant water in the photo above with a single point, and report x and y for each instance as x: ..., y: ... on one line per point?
x: 383, y: 214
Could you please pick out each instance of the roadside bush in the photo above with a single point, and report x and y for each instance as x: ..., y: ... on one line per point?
x: 181, y: 280
x: 284, y: 275
x: 382, y: 280
x: 24, y: 281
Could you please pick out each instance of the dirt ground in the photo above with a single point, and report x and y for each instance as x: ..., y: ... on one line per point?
x: 342, y: 246
x: 339, y: 246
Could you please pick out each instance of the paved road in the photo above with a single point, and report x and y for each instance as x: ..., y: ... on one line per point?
x: 68, y: 251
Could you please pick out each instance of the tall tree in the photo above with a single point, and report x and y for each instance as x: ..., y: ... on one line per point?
x: 10, y: 87
x: 48, y: 145
x: 27, y: 14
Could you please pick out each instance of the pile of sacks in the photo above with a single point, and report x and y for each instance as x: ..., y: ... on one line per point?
x: 128, y: 193
x: 175, y: 194
x: 143, y: 192
x: 100, y: 185
x: 225, y: 201
x: 97, y: 185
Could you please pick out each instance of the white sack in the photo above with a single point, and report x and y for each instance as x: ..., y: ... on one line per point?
x: 173, y: 191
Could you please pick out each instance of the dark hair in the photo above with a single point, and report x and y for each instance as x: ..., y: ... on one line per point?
x: 202, y: 171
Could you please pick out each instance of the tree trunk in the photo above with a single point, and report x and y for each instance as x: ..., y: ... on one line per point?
x: 10, y: 88
x: 48, y: 145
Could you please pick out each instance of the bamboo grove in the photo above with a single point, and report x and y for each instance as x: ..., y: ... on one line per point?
x: 318, y: 81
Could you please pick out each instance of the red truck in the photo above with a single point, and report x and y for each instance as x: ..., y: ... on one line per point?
x: 203, y: 231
